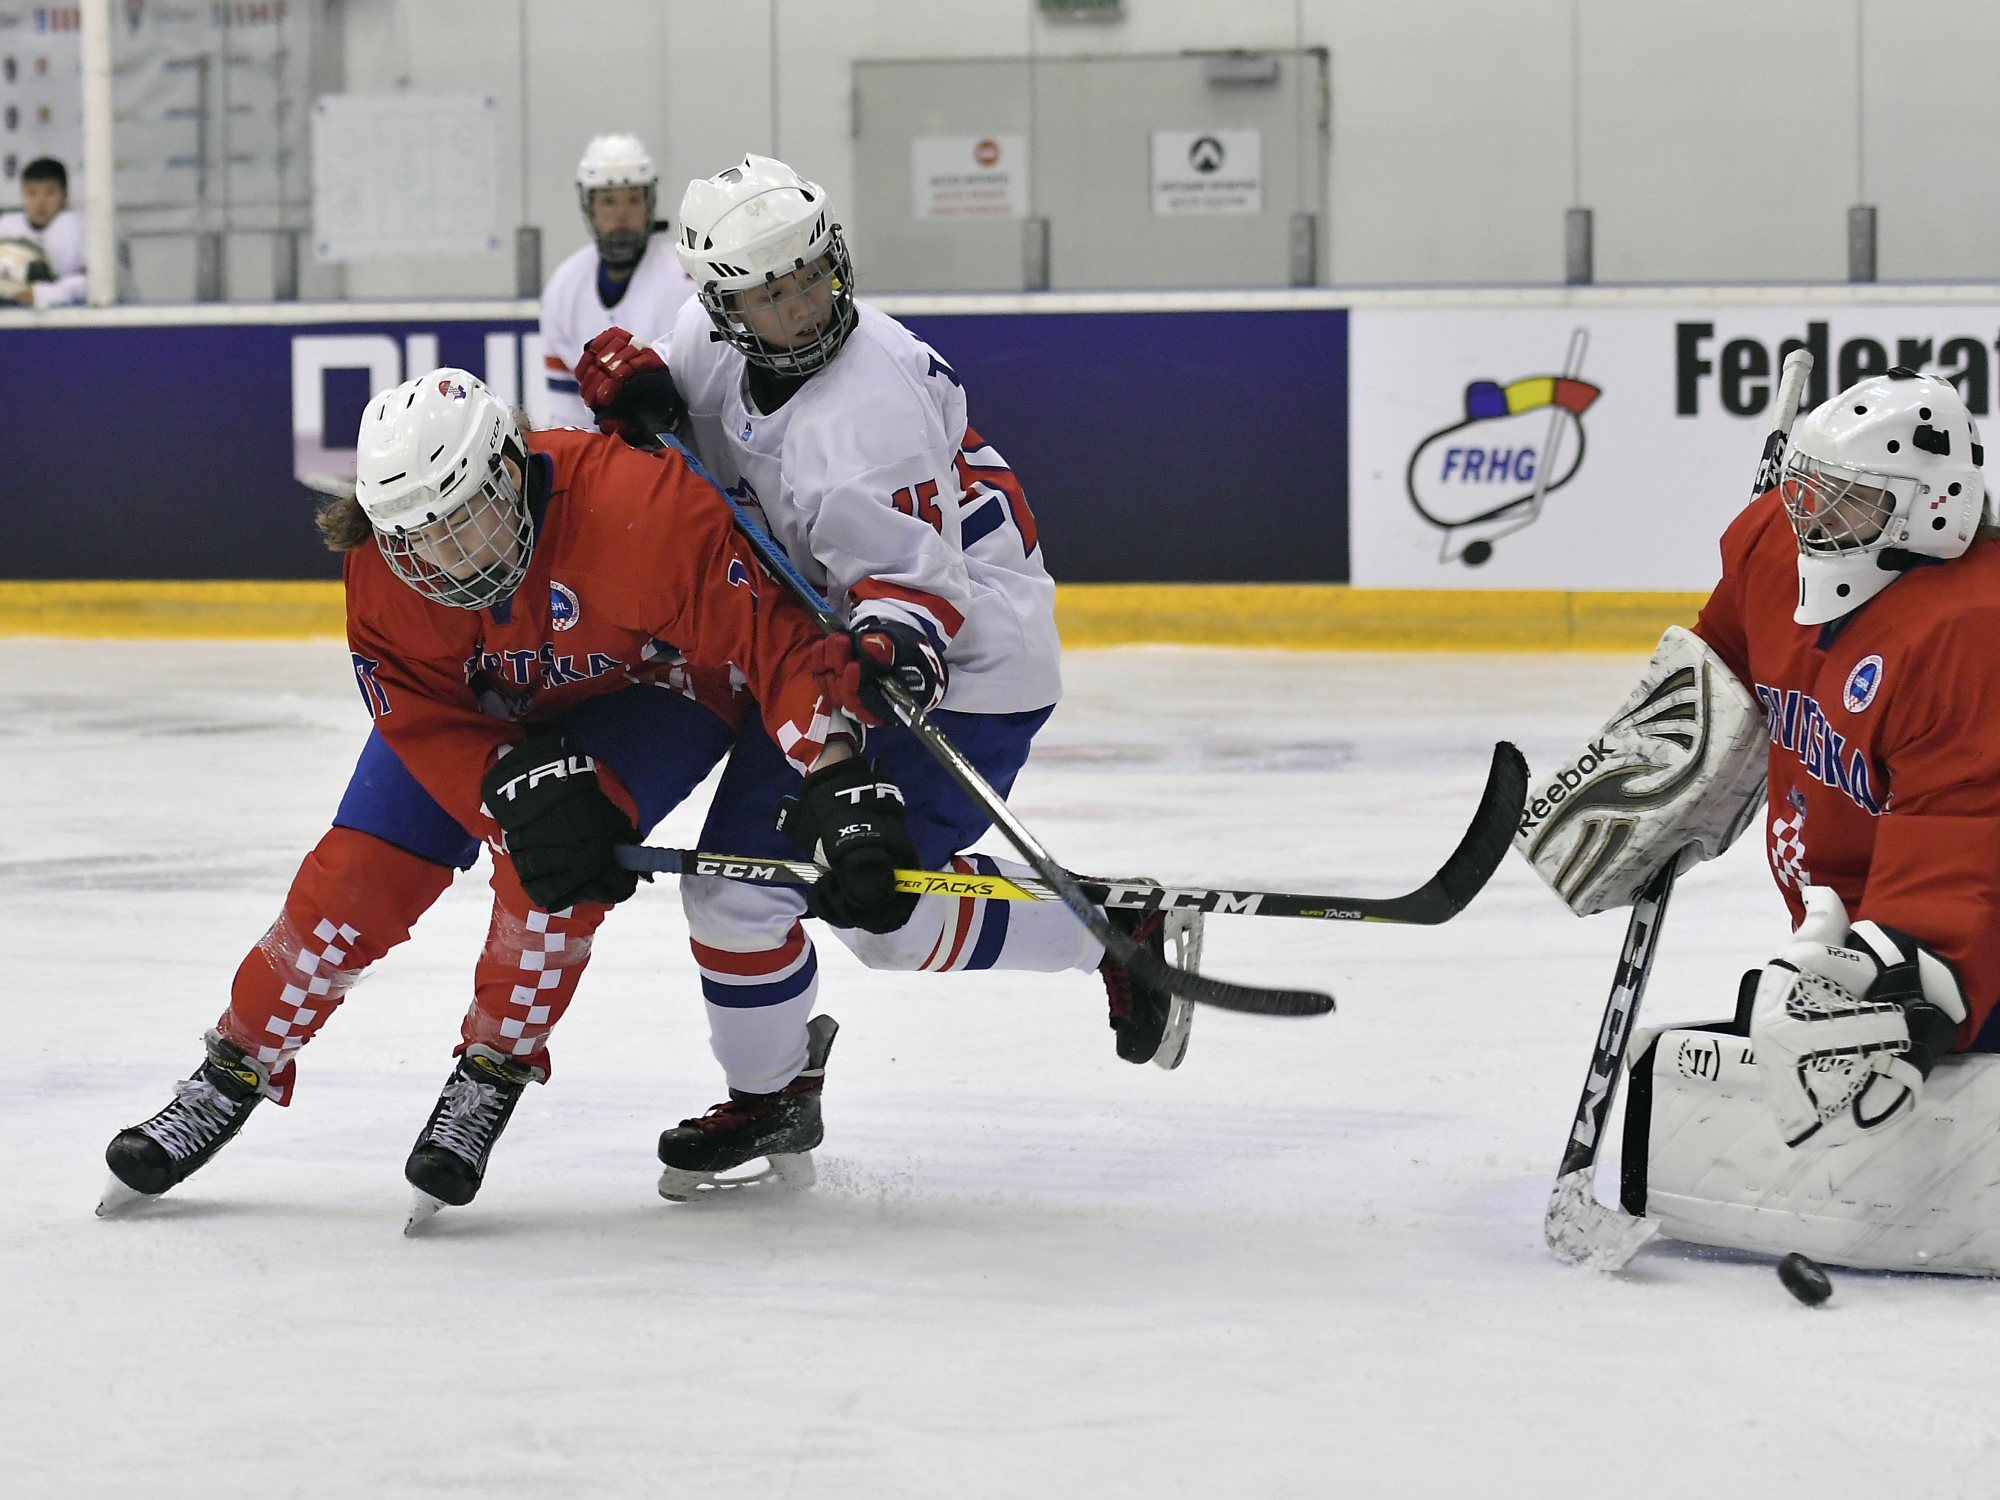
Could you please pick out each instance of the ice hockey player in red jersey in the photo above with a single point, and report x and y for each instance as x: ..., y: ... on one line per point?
x: 543, y: 627
x: 1848, y: 654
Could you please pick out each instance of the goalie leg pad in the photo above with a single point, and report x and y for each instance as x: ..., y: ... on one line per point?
x: 1704, y: 1157
x: 1680, y: 766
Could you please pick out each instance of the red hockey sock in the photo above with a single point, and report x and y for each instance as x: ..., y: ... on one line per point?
x: 527, y: 972
x: 354, y: 899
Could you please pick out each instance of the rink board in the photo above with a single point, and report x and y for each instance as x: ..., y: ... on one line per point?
x: 1449, y: 469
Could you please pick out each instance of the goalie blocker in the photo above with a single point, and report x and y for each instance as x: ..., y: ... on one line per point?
x: 1680, y: 767
x: 1705, y: 1159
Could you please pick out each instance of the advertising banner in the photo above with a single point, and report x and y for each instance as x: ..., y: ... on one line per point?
x: 1596, y: 448
x: 1140, y: 459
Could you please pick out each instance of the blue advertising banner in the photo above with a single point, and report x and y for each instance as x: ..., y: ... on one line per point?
x: 1154, y: 447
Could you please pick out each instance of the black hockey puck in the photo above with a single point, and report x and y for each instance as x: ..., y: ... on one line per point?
x: 1804, y: 1279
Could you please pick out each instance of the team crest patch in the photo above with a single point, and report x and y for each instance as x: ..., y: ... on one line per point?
x: 1862, y: 684
x: 564, y: 611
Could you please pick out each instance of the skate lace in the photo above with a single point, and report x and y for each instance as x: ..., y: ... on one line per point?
x: 200, y: 1113
x: 467, y: 1112
x: 728, y: 1115
x: 1117, y: 978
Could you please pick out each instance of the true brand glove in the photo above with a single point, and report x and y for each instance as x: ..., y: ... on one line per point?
x: 1847, y: 1024
x: 851, y: 820
x: 628, y: 389
x: 850, y: 664
x: 562, y: 830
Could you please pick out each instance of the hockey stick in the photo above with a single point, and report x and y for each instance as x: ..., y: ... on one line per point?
x: 1578, y: 1228
x: 1200, y: 987
x: 1438, y: 899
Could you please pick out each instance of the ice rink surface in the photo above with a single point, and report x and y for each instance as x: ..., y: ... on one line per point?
x: 1308, y: 1263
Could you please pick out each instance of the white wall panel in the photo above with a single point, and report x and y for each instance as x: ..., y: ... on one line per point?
x: 1718, y: 137
x: 1451, y: 139
x: 1931, y: 136
x: 1718, y: 140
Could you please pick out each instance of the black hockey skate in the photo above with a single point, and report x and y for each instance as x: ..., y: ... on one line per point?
x: 448, y: 1162
x: 1150, y: 1024
x: 783, y: 1128
x: 209, y: 1106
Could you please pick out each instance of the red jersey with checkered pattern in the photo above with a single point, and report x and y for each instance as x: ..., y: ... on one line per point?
x: 1885, y: 741
x: 638, y: 575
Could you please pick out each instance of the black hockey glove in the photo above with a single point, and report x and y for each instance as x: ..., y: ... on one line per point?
x: 851, y: 664
x: 851, y: 820
x: 562, y: 831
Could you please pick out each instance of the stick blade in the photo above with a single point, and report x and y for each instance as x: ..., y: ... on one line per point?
x: 1491, y: 832
x: 1580, y: 1231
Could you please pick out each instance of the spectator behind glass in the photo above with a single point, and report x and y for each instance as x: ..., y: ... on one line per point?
x: 56, y: 279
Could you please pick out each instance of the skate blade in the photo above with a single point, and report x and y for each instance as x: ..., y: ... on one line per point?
x: 1184, y: 934
x: 117, y: 1197
x: 423, y: 1208
x: 792, y: 1173
x: 1174, y: 1040
x: 1580, y: 1231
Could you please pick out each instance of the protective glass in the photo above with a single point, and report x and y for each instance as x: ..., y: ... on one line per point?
x: 1836, y: 510
x: 472, y: 558
x: 797, y: 319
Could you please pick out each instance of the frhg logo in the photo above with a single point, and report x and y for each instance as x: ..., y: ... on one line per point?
x: 1486, y: 475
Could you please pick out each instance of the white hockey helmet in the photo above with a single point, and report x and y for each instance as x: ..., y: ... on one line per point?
x: 618, y: 161
x: 760, y: 227
x: 449, y: 518
x: 1880, y: 478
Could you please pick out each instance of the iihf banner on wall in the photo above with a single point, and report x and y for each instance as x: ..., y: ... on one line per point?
x: 1595, y: 448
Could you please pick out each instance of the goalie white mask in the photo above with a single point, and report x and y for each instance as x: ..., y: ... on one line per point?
x: 618, y: 161
x: 1883, y: 476
x: 431, y: 473
x: 769, y: 264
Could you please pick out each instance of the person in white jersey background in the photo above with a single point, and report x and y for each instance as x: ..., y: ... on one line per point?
x: 628, y: 273
x: 44, y: 266
x: 848, y: 437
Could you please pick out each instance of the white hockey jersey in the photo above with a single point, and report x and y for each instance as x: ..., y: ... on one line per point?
x: 62, y: 243
x: 574, y: 312
x: 873, y: 483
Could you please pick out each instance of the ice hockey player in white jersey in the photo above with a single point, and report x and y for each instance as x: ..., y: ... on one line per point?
x: 41, y: 243
x: 628, y: 273
x: 848, y: 437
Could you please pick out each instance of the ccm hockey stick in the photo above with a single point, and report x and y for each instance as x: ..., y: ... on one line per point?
x: 1199, y: 987
x: 1438, y: 899
x: 1580, y: 1229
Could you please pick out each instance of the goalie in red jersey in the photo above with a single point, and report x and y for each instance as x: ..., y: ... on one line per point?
x: 544, y: 628
x: 1850, y: 660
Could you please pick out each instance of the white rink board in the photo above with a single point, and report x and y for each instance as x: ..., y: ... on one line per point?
x: 1307, y: 1264
x: 1669, y: 442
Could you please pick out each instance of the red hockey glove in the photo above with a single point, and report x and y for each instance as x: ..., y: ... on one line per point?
x: 850, y: 664
x: 628, y: 389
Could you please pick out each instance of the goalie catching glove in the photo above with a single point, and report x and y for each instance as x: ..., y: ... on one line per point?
x: 562, y: 831
x: 1847, y: 1024
x: 1680, y: 767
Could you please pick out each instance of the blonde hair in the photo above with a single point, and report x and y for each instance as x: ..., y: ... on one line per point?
x: 343, y: 524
